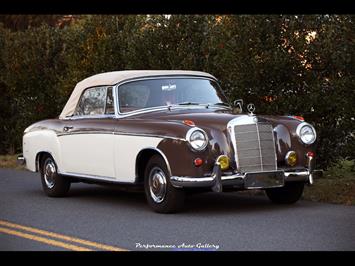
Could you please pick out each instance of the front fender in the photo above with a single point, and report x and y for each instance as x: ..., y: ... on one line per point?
x: 181, y: 157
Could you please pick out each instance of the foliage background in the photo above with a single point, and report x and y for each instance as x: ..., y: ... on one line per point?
x: 299, y: 65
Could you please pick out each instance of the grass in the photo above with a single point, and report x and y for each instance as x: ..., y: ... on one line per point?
x: 10, y: 161
x: 336, y: 186
x: 341, y: 191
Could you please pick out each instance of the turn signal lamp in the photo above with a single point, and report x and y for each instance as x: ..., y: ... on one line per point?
x: 300, y: 118
x: 189, y: 123
x: 310, y: 154
x: 291, y: 158
x: 223, y: 161
x: 198, y: 162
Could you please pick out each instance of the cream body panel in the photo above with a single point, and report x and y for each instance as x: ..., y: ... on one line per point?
x: 99, y: 156
x: 88, y: 154
x: 127, y: 149
x: 40, y: 141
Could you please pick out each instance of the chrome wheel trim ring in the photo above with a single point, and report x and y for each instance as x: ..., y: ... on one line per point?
x: 157, y: 184
x: 49, y: 172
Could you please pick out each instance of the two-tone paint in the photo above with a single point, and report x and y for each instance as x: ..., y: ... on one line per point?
x: 116, y: 148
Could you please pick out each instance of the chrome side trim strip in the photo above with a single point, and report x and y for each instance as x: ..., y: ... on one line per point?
x: 76, y: 117
x: 118, y: 134
x: 85, y: 132
x: 148, y: 135
x: 95, y: 177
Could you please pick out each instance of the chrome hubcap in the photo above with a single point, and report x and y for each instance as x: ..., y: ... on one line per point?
x: 49, y: 172
x: 157, y: 184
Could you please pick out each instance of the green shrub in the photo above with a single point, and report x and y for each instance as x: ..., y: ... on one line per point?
x: 277, y: 62
x: 342, y: 168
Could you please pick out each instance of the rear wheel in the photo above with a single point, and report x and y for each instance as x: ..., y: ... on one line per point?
x: 288, y: 194
x: 160, y: 194
x: 54, y: 185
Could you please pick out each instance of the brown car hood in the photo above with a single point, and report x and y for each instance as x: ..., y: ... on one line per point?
x: 214, y: 122
x: 213, y: 118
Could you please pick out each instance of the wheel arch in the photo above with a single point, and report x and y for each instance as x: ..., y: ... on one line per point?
x: 39, y: 157
x: 142, y: 159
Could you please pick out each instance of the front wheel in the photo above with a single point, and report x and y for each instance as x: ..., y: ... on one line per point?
x: 54, y: 185
x: 160, y: 194
x: 288, y: 194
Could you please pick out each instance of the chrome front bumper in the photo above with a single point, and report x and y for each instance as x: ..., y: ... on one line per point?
x: 256, y: 180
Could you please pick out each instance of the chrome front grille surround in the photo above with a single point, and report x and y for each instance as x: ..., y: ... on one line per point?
x: 254, y: 144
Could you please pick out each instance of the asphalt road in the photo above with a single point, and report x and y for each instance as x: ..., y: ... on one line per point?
x: 115, y: 220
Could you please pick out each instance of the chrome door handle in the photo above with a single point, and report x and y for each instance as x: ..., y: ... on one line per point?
x: 67, y: 128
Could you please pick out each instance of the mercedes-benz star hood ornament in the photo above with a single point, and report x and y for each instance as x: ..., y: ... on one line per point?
x: 251, y: 108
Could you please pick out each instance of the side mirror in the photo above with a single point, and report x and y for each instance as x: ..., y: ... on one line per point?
x: 238, y: 106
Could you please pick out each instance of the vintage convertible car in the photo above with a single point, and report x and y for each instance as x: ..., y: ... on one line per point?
x: 169, y: 132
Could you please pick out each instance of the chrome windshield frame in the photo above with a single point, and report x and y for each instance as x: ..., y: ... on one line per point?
x: 119, y: 114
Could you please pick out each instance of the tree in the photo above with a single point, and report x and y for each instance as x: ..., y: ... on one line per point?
x: 285, y: 65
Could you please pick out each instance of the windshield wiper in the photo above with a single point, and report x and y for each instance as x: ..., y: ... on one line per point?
x: 223, y: 104
x: 188, y: 103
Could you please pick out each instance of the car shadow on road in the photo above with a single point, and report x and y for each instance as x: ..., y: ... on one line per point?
x: 202, y: 203
x: 232, y: 202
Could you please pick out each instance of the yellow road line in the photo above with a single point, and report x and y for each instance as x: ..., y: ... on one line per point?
x: 43, y: 240
x: 60, y: 236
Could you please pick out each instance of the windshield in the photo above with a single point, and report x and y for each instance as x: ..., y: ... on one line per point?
x: 141, y: 94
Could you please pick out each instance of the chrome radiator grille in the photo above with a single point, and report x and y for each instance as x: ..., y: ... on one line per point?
x: 255, y: 147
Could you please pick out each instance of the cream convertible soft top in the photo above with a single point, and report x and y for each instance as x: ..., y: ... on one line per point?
x: 112, y: 78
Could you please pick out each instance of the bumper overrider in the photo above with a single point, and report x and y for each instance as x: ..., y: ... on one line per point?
x: 21, y: 160
x: 250, y: 180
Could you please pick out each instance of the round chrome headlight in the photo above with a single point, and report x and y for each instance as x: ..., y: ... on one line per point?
x: 306, y: 133
x: 197, y: 138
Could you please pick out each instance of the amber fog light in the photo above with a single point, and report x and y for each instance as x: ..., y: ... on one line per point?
x: 291, y: 158
x: 223, y: 161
